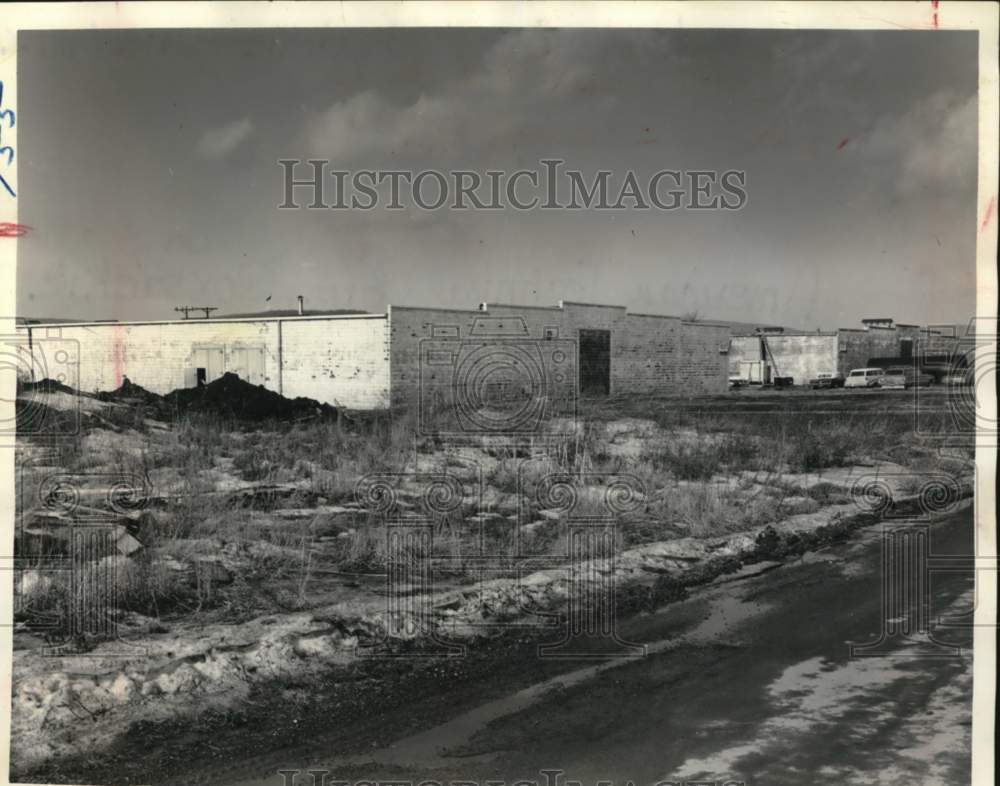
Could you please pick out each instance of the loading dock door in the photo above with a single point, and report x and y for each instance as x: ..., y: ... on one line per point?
x: 752, y: 371
x: 248, y: 363
x: 595, y: 362
x: 211, y: 359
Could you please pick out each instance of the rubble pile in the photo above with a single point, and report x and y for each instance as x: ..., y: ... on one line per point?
x: 228, y: 396
x: 130, y: 393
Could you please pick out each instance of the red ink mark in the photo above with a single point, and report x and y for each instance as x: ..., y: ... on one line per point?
x: 843, y: 143
x: 988, y: 216
x: 934, y: 5
x: 8, y: 229
x: 118, y: 354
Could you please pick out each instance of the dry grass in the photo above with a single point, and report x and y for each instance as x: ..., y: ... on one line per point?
x: 273, y: 563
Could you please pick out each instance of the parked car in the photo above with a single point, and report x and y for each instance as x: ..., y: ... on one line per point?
x: 737, y: 381
x: 784, y: 382
x: 909, y: 375
x: 966, y: 377
x: 895, y: 379
x: 826, y: 379
x: 864, y: 378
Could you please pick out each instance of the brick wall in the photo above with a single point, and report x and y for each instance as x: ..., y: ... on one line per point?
x: 647, y: 353
x: 158, y: 356
x: 343, y: 361
x: 410, y: 332
x: 348, y: 355
x: 443, y: 352
x: 702, y: 364
x: 856, y: 347
x: 370, y: 361
x: 947, y: 339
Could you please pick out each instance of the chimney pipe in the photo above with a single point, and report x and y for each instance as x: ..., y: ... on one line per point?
x: 301, y: 309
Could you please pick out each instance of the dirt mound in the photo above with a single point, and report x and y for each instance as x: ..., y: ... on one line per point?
x: 46, y: 386
x: 130, y: 393
x: 230, y: 396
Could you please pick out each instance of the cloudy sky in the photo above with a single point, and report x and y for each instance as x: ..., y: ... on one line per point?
x: 148, y: 170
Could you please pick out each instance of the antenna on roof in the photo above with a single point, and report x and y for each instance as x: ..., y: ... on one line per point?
x: 186, y: 310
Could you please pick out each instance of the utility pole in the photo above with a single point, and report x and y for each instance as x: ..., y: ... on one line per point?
x: 186, y: 310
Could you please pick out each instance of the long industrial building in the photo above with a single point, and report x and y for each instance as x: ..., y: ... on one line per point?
x: 408, y: 354
x: 370, y: 361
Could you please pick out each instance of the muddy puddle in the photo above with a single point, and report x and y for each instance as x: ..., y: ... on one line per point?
x: 720, y: 611
x: 756, y: 671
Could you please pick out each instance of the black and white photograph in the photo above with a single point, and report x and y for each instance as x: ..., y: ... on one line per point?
x: 480, y: 394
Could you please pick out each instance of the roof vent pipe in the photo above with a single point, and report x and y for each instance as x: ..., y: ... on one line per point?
x: 301, y: 301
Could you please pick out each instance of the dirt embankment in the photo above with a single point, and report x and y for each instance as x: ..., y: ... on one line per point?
x: 228, y: 397
x: 62, y: 706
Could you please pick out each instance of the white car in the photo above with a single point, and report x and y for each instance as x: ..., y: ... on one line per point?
x: 864, y: 378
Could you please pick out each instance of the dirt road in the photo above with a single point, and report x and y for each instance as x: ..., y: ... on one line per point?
x: 749, y: 679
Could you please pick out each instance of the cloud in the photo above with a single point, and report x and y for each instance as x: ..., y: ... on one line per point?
x: 220, y: 142
x: 931, y: 146
x: 941, y: 147
x: 525, y: 75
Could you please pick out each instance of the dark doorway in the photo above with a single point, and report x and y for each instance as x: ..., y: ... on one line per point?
x: 595, y: 362
x: 906, y: 348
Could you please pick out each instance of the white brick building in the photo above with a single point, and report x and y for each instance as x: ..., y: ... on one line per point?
x: 369, y: 361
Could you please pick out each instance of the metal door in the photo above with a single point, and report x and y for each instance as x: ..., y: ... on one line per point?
x: 248, y: 364
x: 595, y: 362
x: 212, y: 359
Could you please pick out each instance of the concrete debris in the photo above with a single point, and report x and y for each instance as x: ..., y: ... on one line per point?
x: 125, y: 543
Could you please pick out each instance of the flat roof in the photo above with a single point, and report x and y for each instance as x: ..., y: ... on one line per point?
x: 704, y: 323
x: 515, y: 305
x: 793, y: 334
x: 115, y: 323
x: 23, y: 323
x: 592, y: 305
